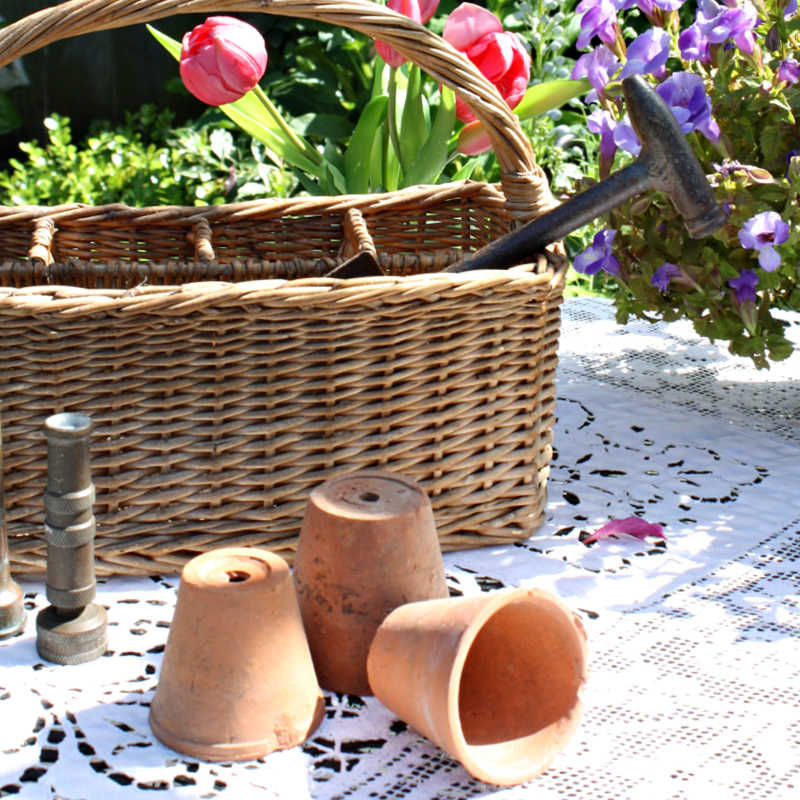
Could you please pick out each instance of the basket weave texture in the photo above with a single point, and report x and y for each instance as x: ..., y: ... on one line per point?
x: 227, y: 377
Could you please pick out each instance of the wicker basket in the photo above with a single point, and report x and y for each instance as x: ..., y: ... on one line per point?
x: 226, y: 378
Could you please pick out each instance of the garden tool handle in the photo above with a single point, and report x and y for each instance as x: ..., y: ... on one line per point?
x: 521, y: 245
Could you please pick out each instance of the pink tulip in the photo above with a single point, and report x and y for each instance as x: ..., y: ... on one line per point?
x: 222, y: 60
x: 473, y: 139
x: 418, y: 10
x: 498, y: 54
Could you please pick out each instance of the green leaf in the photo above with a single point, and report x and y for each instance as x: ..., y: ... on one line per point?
x: 222, y: 144
x: 391, y: 163
x: 172, y: 46
x: 772, y: 144
x: 432, y: 157
x: 546, y: 96
x: 336, y: 183
x: 277, y: 147
x: 359, y: 155
x: 376, y: 162
x: 465, y: 173
x: 413, y: 121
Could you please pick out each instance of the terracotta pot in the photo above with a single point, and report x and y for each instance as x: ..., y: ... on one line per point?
x: 494, y: 680
x: 237, y: 680
x: 367, y: 545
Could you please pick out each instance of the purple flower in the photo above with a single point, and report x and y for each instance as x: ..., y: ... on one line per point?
x: 719, y: 23
x: 745, y: 286
x: 663, y: 275
x: 760, y: 233
x: 790, y: 9
x: 647, y: 53
x: 789, y: 71
x: 600, y: 121
x: 598, y: 66
x: 647, y: 6
x: 685, y: 94
x: 694, y: 45
x: 625, y: 137
x: 599, y: 19
x: 598, y: 255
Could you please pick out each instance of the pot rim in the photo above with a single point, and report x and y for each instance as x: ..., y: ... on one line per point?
x: 482, y: 761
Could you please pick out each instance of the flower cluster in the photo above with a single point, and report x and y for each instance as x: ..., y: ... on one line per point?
x: 729, y: 73
x: 404, y: 135
x: 498, y: 54
x: 479, y: 35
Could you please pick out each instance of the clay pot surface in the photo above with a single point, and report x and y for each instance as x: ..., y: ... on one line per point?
x: 368, y: 544
x: 494, y: 680
x: 237, y: 681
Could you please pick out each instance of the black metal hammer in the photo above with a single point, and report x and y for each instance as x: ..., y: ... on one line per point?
x: 666, y: 163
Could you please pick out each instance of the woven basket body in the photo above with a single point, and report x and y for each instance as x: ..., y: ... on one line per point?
x: 226, y: 377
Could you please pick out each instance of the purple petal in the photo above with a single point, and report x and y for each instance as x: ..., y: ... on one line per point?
x: 599, y: 20
x: 600, y: 121
x: 685, y: 91
x: 598, y: 255
x: 663, y: 275
x: 789, y: 71
x: 745, y: 285
x: 625, y: 138
x: 769, y: 258
x: 633, y: 526
x: 763, y: 229
x: 597, y: 65
x: 694, y: 45
x: 647, y: 53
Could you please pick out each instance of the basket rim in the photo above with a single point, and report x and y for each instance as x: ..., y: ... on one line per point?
x: 546, y: 269
x: 265, y: 207
x: 183, y: 299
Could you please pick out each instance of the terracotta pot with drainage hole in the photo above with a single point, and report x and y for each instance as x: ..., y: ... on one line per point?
x: 494, y: 680
x: 368, y: 544
x: 237, y: 680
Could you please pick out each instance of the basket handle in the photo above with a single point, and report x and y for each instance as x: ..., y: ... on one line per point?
x: 524, y: 184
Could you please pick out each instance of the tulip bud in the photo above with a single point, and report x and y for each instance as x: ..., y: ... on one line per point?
x: 222, y: 60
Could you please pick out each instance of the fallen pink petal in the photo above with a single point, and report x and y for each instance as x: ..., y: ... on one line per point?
x: 633, y: 526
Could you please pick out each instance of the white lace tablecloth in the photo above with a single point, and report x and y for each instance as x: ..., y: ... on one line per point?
x: 694, y: 688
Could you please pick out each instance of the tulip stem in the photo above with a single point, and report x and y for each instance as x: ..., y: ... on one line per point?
x: 391, y: 115
x: 303, y: 146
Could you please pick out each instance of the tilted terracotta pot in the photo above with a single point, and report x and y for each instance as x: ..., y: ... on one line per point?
x: 367, y: 545
x: 494, y: 680
x: 237, y: 681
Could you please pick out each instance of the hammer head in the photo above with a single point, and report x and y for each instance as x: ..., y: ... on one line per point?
x: 672, y: 166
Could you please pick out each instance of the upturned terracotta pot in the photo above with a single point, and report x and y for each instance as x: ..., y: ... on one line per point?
x: 493, y: 680
x: 237, y: 681
x: 368, y: 544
